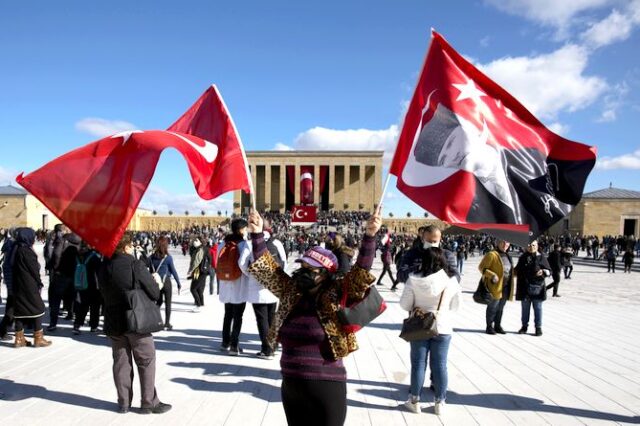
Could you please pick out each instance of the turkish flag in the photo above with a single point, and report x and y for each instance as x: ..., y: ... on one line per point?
x: 474, y: 156
x: 306, y: 184
x: 96, y: 189
x: 303, y: 214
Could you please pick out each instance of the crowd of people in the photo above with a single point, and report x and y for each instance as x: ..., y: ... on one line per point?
x: 245, y: 261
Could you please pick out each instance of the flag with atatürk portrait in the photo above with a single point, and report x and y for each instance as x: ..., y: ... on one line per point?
x: 475, y: 157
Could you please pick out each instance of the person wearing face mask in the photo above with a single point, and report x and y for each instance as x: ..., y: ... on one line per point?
x: 496, y: 269
x: 306, y: 324
x: 198, y: 271
x: 531, y: 270
x: 412, y: 260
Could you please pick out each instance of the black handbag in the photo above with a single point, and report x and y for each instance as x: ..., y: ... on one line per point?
x: 361, y: 313
x: 421, y: 325
x: 482, y: 295
x: 143, y: 315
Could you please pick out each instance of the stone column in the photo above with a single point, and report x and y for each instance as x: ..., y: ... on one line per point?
x: 332, y: 185
x: 316, y: 184
x: 267, y: 187
x: 347, y: 188
x: 283, y: 188
x: 254, y: 179
x: 237, y: 201
x: 296, y: 177
x: 363, y: 197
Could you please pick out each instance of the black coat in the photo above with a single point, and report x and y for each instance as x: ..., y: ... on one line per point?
x: 526, y: 269
x: 116, y: 278
x: 555, y: 261
x: 26, y: 284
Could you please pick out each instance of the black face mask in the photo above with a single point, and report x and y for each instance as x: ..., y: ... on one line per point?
x: 305, y: 279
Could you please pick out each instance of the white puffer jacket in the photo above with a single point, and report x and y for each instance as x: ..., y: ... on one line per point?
x: 424, y: 293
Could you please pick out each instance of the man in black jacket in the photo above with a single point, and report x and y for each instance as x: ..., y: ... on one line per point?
x: 555, y: 262
x: 411, y: 262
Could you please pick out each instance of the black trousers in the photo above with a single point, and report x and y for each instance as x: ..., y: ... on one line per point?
x: 386, y: 269
x: 165, y: 296
x: 556, y: 282
x: 611, y: 265
x: 87, y: 301
x: 8, y: 319
x: 568, y: 270
x: 36, y: 322
x: 232, y: 323
x: 212, y: 278
x: 57, y: 286
x: 197, y: 289
x: 314, y: 402
x: 264, y: 318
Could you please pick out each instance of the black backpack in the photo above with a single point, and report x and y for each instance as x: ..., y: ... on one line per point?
x: 274, y: 253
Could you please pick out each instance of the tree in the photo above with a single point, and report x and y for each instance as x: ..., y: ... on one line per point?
x: 390, y: 214
x: 426, y: 214
x: 408, y: 214
x: 186, y: 212
x: 202, y: 212
x: 219, y: 213
x: 170, y: 212
x: 154, y: 212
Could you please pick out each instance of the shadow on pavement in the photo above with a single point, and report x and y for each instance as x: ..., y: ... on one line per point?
x: 12, y: 391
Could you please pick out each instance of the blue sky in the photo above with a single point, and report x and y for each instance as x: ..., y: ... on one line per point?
x: 306, y: 75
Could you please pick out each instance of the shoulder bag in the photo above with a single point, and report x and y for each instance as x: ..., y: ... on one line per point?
x: 421, y: 325
x: 143, y: 315
x: 359, y: 314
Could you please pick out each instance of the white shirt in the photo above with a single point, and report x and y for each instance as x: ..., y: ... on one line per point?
x: 255, y: 292
x: 232, y: 291
x: 424, y: 293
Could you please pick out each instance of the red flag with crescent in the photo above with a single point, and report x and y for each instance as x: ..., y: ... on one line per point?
x: 96, y: 189
x: 303, y: 214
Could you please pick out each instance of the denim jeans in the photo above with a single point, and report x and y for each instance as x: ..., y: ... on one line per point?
x: 526, y: 311
x: 439, y: 348
x: 494, y: 312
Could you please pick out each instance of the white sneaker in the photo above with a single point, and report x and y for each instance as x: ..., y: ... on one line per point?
x: 413, y: 405
x: 439, y: 408
x: 196, y: 309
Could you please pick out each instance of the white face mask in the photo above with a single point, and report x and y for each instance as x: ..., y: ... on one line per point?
x: 428, y: 245
x: 197, y: 243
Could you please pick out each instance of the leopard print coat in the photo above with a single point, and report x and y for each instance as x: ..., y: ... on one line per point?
x: 269, y: 274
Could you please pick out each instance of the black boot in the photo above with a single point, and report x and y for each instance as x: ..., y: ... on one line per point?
x: 538, y: 331
x: 490, y: 330
x: 523, y: 330
x: 498, y: 328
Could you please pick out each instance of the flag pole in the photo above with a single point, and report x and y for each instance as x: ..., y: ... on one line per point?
x: 244, y: 155
x: 386, y: 183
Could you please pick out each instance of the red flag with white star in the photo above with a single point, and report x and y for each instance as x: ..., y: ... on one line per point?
x: 474, y: 156
x: 303, y: 214
x: 96, y: 189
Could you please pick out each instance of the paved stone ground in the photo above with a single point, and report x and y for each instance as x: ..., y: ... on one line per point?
x: 584, y: 370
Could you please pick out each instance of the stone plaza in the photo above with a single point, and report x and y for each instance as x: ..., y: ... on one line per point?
x: 583, y: 370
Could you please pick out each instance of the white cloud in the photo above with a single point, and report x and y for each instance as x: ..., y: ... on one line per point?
x: 615, y: 27
x: 160, y: 200
x: 613, y: 101
x: 556, y: 13
x: 559, y: 128
x: 101, y: 127
x: 549, y: 83
x: 626, y: 161
x: 321, y: 139
x: 282, y: 147
x: 485, y: 41
x: 8, y: 176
